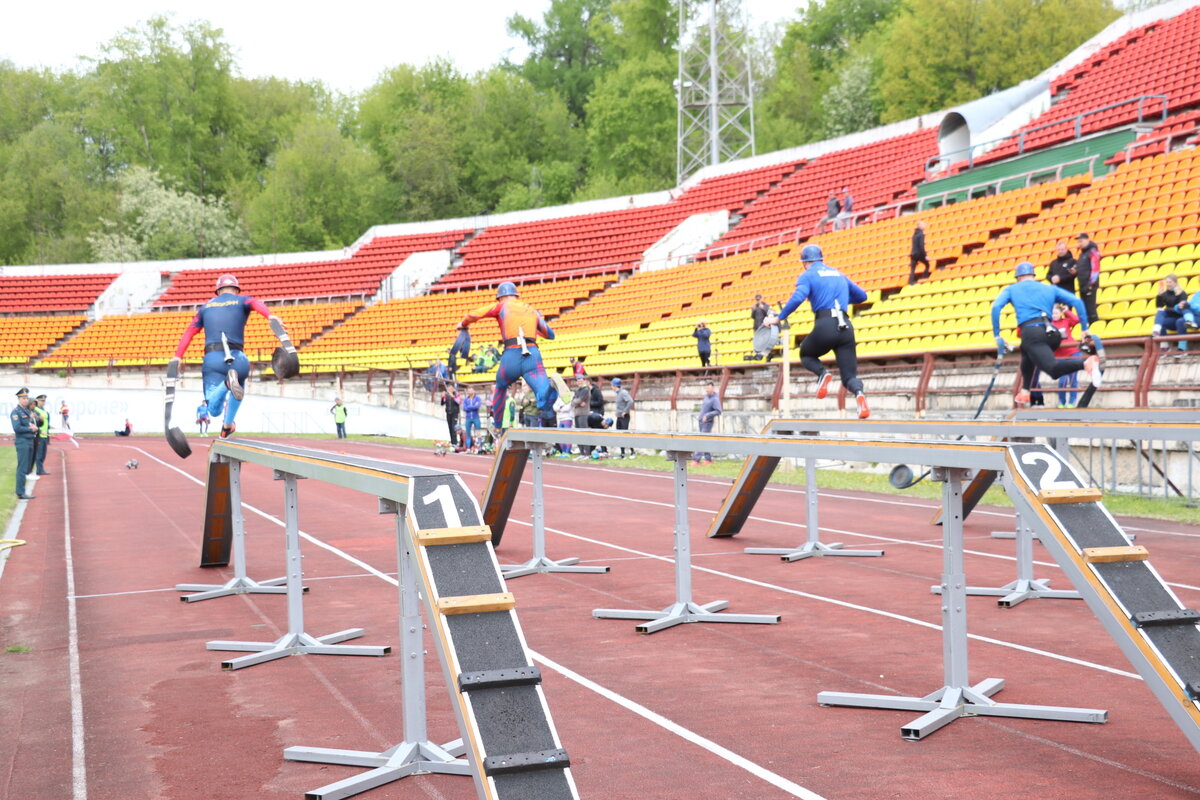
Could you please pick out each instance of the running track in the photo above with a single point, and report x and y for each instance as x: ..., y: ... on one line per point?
x: 118, y: 698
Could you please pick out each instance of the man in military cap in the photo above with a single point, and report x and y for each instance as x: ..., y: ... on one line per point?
x: 25, y: 427
x: 38, y: 407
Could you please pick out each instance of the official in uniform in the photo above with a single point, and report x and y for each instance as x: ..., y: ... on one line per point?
x: 223, y: 320
x: 520, y: 327
x: 43, y: 434
x: 25, y: 427
x: 830, y: 293
x: 1033, y: 303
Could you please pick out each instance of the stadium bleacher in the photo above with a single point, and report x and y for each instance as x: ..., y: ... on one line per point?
x: 51, y: 293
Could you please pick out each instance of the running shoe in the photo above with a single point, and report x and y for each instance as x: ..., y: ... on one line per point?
x: 227, y: 430
x: 864, y: 410
x: 1092, y: 365
x: 235, y: 386
x: 1022, y: 398
x: 823, y: 385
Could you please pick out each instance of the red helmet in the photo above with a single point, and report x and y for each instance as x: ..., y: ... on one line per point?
x: 225, y: 281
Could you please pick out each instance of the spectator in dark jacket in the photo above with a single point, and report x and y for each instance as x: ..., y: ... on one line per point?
x: 1061, y: 271
x: 832, y: 208
x: 759, y: 311
x: 703, y: 343
x: 452, y: 402
x: 581, y: 407
x: 1172, y: 302
x: 596, y: 405
x: 1087, y: 273
x: 916, y: 254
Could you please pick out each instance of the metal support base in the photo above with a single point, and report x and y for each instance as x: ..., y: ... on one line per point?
x: 681, y: 612
x: 406, y: 758
x: 292, y: 644
x: 809, y: 550
x: 544, y: 564
x: 952, y: 702
x: 235, y: 585
x: 1018, y: 591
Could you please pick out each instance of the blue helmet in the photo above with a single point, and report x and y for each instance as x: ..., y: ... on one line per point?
x: 1024, y: 268
x: 811, y: 252
x: 506, y: 289
x: 616, y: 381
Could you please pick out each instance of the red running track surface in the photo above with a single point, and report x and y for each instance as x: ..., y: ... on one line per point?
x: 698, y: 711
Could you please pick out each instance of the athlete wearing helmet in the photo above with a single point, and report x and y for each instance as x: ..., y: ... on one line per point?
x: 1034, y: 303
x: 520, y: 326
x: 223, y: 320
x: 830, y: 293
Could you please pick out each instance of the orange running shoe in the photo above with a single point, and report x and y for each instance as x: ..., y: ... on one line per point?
x: 227, y: 430
x: 863, y: 410
x: 1092, y: 365
x: 823, y: 385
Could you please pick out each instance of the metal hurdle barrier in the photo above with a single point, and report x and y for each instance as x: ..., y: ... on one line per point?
x: 448, y: 574
x: 1062, y: 508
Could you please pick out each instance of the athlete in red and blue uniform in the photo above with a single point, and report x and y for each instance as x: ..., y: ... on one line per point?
x: 223, y: 320
x: 830, y: 293
x: 520, y: 325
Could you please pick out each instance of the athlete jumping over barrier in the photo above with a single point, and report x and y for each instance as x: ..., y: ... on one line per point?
x: 225, y: 367
x: 1033, y: 303
x: 830, y: 293
x: 520, y: 325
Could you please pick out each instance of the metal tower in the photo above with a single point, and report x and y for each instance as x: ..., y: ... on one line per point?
x: 715, y: 88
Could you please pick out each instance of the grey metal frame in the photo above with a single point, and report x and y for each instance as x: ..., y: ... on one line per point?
x: 296, y: 641
x: 684, y: 609
x: 957, y: 697
x: 539, y: 562
x: 813, y: 546
x: 240, y: 583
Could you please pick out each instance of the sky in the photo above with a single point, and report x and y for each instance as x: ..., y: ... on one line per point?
x: 347, y: 49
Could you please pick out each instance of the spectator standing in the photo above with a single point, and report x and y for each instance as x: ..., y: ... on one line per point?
x: 758, y: 312
x: 24, y: 425
x: 1065, y: 321
x: 710, y: 409
x: 596, y: 409
x: 916, y: 254
x: 832, y: 209
x: 470, y: 407
x: 581, y: 407
x: 65, y: 413
x: 339, y: 412
x: 703, y: 342
x: 566, y: 419
x: 508, y: 413
x: 1172, y: 302
x: 43, y: 435
x: 1061, y: 271
x: 452, y: 402
x: 577, y: 367
x: 845, y: 217
x: 1087, y: 273
x: 624, y: 403
x: 528, y: 405
x: 202, y: 418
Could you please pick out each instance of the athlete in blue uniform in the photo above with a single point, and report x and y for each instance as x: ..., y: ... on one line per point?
x: 1033, y: 303
x: 830, y: 293
x: 223, y: 320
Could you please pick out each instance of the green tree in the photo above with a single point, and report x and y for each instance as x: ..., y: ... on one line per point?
x: 632, y: 123
x: 829, y: 29
x: 566, y: 53
x: 156, y: 222
x: 322, y: 191
x: 941, y: 53
x: 851, y: 104
x: 786, y: 112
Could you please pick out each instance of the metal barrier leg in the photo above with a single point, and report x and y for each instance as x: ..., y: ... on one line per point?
x: 416, y: 754
x: 683, y: 609
x: 239, y: 583
x: 1025, y: 587
x: 813, y: 546
x: 539, y: 562
x: 956, y: 698
x: 295, y: 641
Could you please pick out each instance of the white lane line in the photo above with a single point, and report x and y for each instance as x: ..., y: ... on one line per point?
x: 700, y: 741
x: 776, y: 780
x: 78, y: 755
x: 844, y: 604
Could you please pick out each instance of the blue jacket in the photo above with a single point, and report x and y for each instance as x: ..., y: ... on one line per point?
x: 470, y: 405
x: 710, y: 409
x: 1031, y: 300
x: 702, y: 335
x: 822, y: 286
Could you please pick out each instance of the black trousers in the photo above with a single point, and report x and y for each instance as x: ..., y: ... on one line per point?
x: 704, y: 357
x: 1037, y: 354
x: 452, y: 425
x: 1088, y: 295
x: 826, y: 336
x: 912, y: 267
x: 623, y: 425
